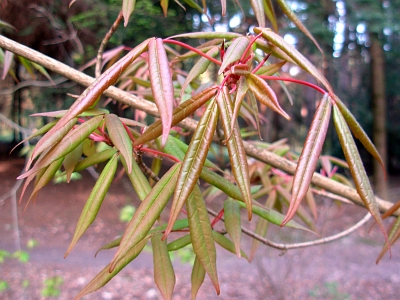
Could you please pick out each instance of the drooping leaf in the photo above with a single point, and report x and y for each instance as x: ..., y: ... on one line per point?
x: 295, y: 55
x: 197, y: 278
x: 161, y: 84
x: 128, y: 6
x: 227, y: 244
x: 270, y: 13
x: 105, y: 275
x: 201, y: 235
x: 241, y: 92
x: 94, y: 201
x: 258, y: 8
x: 193, y: 161
x: 138, y: 180
x: 8, y: 59
x: 120, y: 138
x: 358, y: 131
x: 147, y: 213
x: 394, y: 235
x: 356, y: 167
x: 270, y: 69
x: 95, y: 159
x: 164, y: 6
x: 234, y: 52
x: 311, y: 203
x: 110, y: 245
x: 264, y: 93
x: 208, y: 35
x: 179, y: 113
x: 180, y: 243
x: 91, y: 112
x: 193, y: 4
x: 164, y: 275
x: 233, y: 222
x: 310, y: 155
x: 27, y: 65
x: 237, y: 154
x: 292, y: 17
x: 42, y: 71
x: 71, y: 160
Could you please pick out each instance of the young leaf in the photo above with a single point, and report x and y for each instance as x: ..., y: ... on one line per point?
x: 295, y: 55
x: 71, y: 160
x: 138, y: 180
x: 201, y: 235
x: 94, y: 201
x: 193, y: 161
x: 393, y: 237
x: 233, y: 222
x: 105, y: 275
x: 270, y: 13
x: 181, y: 112
x: 161, y: 84
x: 164, y: 6
x: 241, y: 92
x: 258, y: 8
x: 164, y: 275
x: 237, y: 155
x: 234, y: 52
x: 180, y: 243
x: 265, y: 94
x: 128, y: 6
x: 356, y: 167
x: 147, y: 213
x: 120, y: 138
x: 8, y: 59
x: 95, y: 159
x: 227, y: 244
x: 208, y: 35
x: 310, y: 155
x: 197, y: 278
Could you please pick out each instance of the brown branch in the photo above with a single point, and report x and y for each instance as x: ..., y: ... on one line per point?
x: 190, y: 124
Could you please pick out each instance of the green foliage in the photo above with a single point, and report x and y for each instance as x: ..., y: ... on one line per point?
x: 330, y: 290
x: 126, y: 213
x: 52, y: 286
x: 3, y: 286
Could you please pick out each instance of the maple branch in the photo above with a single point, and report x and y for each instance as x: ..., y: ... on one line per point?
x: 189, y: 124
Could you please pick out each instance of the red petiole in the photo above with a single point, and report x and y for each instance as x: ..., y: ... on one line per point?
x: 315, y: 87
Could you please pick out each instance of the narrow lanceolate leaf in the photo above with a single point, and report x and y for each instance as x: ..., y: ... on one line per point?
x: 292, y: 17
x: 270, y: 13
x: 241, y: 92
x: 105, y: 276
x: 197, y: 278
x: 199, y: 68
x: 94, y: 201
x: 356, y: 167
x: 120, y: 138
x: 295, y: 55
x: 95, y: 159
x: 234, y: 52
x: 161, y: 84
x: 233, y: 222
x: 270, y: 69
x: 8, y: 59
x: 147, y: 213
x: 394, y: 235
x: 128, y: 6
x: 180, y: 243
x: 94, y: 91
x: 91, y: 112
x: 113, y: 244
x: 71, y: 160
x: 264, y: 93
x: 193, y: 161
x: 201, y: 235
x: 258, y: 8
x: 310, y: 155
x: 68, y: 143
x: 237, y: 154
x: 358, y: 131
x: 164, y: 6
x: 164, y: 275
x: 138, y: 180
x: 179, y: 113
x: 208, y: 35
x: 227, y: 244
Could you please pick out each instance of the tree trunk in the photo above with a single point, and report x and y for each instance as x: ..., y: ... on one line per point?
x: 379, y: 114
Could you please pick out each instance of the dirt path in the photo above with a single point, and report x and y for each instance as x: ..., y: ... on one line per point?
x: 342, y: 270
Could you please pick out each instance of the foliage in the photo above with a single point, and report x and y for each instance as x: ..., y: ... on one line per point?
x: 227, y: 109
x: 52, y: 286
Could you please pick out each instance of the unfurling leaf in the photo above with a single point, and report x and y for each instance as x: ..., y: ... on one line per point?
x: 233, y: 222
x: 94, y: 201
x: 310, y: 155
x: 120, y: 138
x: 234, y: 52
x: 193, y: 161
x: 197, y: 278
x: 161, y: 84
x: 237, y: 154
x: 147, y: 213
x: 164, y: 275
x: 356, y: 167
x: 201, y: 235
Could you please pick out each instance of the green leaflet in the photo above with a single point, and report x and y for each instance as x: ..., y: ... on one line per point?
x: 164, y: 6
x: 358, y: 131
x: 197, y: 278
x: 310, y: 155
x: 271, y: 69
x: 128, y: 6
x: 241, y: 92
x: 193, y: 161
x: 120, y: 138
x: 208, y: 35
x: 356, y: 167
x: 393, y: 237
x: 233, y: 222
x: 164, y: 275
x: 180, y: 243
x: 138, y: 180
x: 72, y: 159
x: 110, y: 245
x: 94, y: 201
x: 105, y: 275
x: 227, y: 244
x: 147, y: 213
x: 91, y: 112
x: 258, y: 8
x: 181, y: 112
x: 237, y: 154
x: 201, y: 235
x: 234, y: 52
x: 95, y: 159
x: 270, y: 13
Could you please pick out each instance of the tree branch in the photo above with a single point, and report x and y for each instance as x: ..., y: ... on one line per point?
x: 190, y: 124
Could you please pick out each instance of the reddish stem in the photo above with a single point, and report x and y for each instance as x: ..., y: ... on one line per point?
x: 217, y: 218
x: 128, y: 132
x: 261, y: 64
x: 315, y: 87
x: 194, y: 50
x: 249, y: 46
x: 155, y: 152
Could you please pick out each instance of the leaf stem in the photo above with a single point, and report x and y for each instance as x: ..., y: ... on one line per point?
x: 302, y: 82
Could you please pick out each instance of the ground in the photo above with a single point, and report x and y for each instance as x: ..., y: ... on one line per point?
x: 344, y: 269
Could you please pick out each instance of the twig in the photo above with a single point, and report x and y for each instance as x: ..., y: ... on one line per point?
x: 36, y: 83
x: 104, y: 43
x: 190, y: 124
